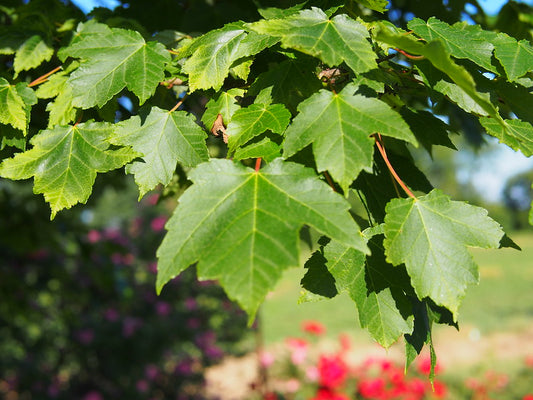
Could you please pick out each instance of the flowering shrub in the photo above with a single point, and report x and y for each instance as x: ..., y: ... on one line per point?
x: 303, y: 373
x: 79, y: 317
x: 330, y: 376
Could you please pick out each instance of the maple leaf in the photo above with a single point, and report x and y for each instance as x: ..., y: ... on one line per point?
x: 164, y: 138
x: 430, y: 235
x: 32, y: 53
x: 339, y: 127
x: 255, y: 119
x: 213, y: 55
x: 241, y: 226
x: 64, y: 162
x: 15, y: 104
x: 113, y: 59
x: 460, y: 40
x: 517, y: 134
x: 311, y: 32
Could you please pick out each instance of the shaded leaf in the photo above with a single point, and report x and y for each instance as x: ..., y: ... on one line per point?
x: 377, y: 5
x: 430, y: 235
x: 241, y: 226
x: 64, y: 162
x: 255, y: 119
x: 223, y: 103
x: 164, y: 138
x: 291, y: 81
x: 265, y: 149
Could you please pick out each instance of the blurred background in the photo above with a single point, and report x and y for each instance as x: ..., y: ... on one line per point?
x: 79, y: 317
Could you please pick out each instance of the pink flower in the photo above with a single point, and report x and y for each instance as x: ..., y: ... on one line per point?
x: 158, y: 224
x: 151, y: 371
x: 332, y: 371
x: 94, y: 236
x: 142, y: 385
x: 152, y: 267
x: 298, y: 350
x: 153, y: 199
x: 440, y: 390
x: 312, y: 373
x: 313, y: 327
x: 163, y: 308
x: 190, y: 304
x: 266, y: 359
x: 93, y: 395
x: 111, y: 314
x: 85, y: 336
x: 292, y: 385
x: 345, y: 342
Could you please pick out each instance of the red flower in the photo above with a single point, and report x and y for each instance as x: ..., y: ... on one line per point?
x: 373, y: 388
x: 528, y: 397
x: 424, y: 366
x: 327, y: 394
x: 332, y: 371
x: 440, y: 390
x: 313, y: 327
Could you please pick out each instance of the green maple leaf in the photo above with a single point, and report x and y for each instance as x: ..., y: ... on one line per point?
x: 339, y: 127
x: 515, y: 57
x: 430, y: 236
x: 164, y: 138
x: 376, y: 287
x: 265, y: 149
x: 460, y: 40
x: 213, y: 55
x: 64, y: 162
x: 336, y: 40
x: 223, y: 103
x: 241, y: 226
x: 32, y: 53
x: 13, y: 109
x: 62, y: 112
x: 377, y: 5
x: 515, y: 133
x: 255, y: 119
x: 113, y: 59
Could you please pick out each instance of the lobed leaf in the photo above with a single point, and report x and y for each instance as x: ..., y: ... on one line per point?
x: 311, y: 32
x: 253, y: 120
x: 32, y: 53
x: 213, y: 54
x: 64, y: 162
x: 517, y: 134
x: 430, y: 236
x: 241, y: 226
x: 339, y: 127
x: 113, y: 59
x: 164, y: 138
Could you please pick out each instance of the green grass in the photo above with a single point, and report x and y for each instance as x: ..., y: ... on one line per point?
x: 503, y: 301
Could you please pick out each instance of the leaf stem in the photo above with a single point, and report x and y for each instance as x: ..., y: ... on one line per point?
x: 44, y: 77
x: 257, y: 164
x: 412, y: 57
x: 178, y: 104
x: 381, y: 149
x: 330, y: 181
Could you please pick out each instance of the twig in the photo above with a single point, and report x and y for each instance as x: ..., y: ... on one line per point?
x: 44, y: 77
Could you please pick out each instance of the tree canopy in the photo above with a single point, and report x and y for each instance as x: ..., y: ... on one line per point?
x: 269, y: 118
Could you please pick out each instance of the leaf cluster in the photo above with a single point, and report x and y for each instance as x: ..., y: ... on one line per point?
x: 293, y: 117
